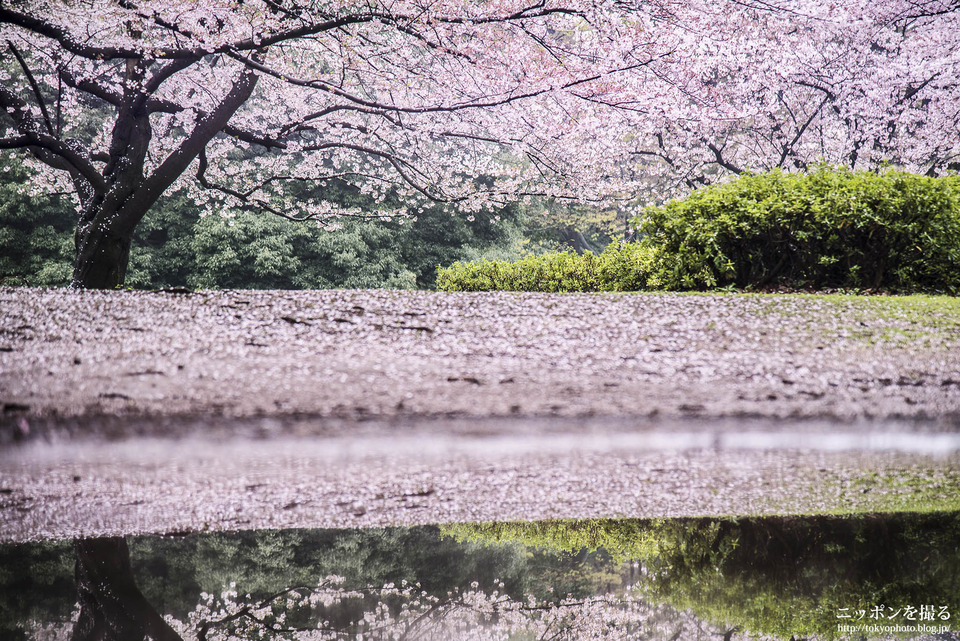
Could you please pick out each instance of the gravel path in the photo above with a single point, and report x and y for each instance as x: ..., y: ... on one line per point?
x: 384, y: 354
x: 128, y: 412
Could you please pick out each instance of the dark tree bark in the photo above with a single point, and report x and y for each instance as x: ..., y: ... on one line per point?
x: 572, y: 238
x: 101, y: 259
x: 111, y: 605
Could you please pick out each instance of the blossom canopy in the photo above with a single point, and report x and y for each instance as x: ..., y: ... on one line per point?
x: 246, y: 103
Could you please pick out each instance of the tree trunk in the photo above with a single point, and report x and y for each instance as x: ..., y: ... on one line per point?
x: 570, y: 237
x: 102, y: 256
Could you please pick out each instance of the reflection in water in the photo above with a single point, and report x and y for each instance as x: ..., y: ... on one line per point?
x: 664, y: 579
x: 111, y: 605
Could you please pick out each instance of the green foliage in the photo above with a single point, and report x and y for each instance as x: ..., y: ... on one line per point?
x: 620, y: 267
x: 623, y: 539
x: 162, y: 255
x: 826, y: 228
x: 175, y: 247
x: 256, y: 251
x: 36, y: 582
x: 831, y: 228
x: 36, y: 232
x: 261, y: 252
x: 439, y: 238
x: 556, y: 224
x: 179, y: 248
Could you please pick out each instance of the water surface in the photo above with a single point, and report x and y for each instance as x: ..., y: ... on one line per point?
x: 829, y: 577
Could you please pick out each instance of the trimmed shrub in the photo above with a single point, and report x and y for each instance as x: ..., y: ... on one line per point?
x: 621, y: 267
x: 830, y: 228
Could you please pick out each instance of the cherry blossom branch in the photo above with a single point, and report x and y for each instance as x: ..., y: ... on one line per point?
x: 383, y: 107
x: 952, y: 7
x: 264, y: 41
x: 404, y: 169
x: 435, y: 607
x: 89, y: 86
x: 401, y: 166
x: 257, y: 204
x: 166, y: 72
x: 34, y: 86
x: 913, y: 91
x: 247, y: 611
x: 61, y: 36
x: 300, y: 124
x: 67, y: 40
x: 787, y: 149
x: 45, y: 147
x: 179, y: 159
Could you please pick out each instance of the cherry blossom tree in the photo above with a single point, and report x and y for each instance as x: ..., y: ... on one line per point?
x: 247, y: 97
x: 852, y: 82
x: 474, y: 103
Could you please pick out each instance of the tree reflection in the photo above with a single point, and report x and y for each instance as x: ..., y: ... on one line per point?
x: 111, y: 605
x: 408, y: 612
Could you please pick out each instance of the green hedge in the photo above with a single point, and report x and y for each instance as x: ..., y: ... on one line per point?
x: 830, y: 228
x: 827, y: 228
x: 621, y: 267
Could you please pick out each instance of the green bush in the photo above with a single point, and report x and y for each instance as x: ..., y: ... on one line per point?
x: 621, y: 267
x: 831, y: 228
x: 36, y: 232
x: 828, y: 228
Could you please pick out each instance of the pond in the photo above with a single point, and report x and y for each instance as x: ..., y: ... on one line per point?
x: 865, y: 576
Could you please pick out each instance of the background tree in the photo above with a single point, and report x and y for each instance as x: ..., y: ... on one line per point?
x: 852, y: 83
x: 35, y: 229
x: 779, y: 576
